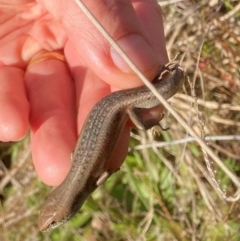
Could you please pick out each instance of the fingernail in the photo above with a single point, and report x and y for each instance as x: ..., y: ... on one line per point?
x: 138, y: 50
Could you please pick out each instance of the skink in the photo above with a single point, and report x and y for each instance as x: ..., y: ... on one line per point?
x: 97, y: 141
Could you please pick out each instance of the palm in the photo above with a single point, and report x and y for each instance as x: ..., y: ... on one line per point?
x: 28, y: 29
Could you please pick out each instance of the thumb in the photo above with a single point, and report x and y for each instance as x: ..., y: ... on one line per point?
x: 135, y: 25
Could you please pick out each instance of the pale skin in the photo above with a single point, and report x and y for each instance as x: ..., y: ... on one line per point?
x: 52, y: 97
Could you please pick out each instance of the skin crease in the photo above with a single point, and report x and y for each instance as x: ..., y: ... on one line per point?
x: 53, y: 97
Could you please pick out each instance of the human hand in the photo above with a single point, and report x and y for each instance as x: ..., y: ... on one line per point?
x: 50, y: 92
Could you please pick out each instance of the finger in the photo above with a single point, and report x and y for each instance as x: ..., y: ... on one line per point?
x: 122, y: 22
x: 52, y: 118
x: 14, y: 104
x: 89, y: 87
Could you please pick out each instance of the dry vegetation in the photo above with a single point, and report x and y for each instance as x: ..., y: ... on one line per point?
x: 161, y: 193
